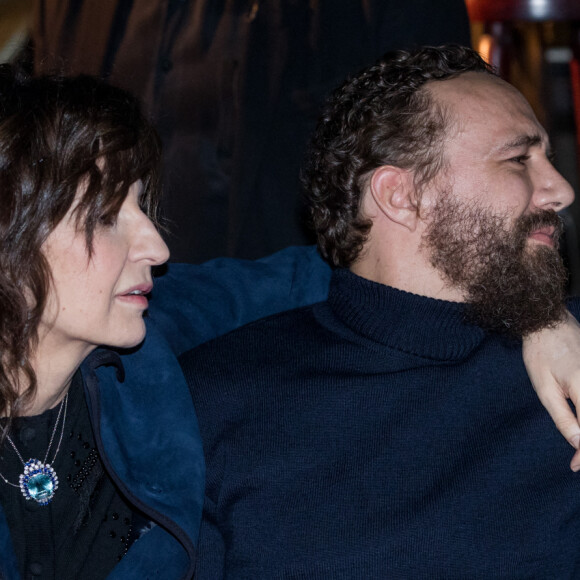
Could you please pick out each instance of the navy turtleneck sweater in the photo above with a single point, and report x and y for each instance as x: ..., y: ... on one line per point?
x: 377, y: 435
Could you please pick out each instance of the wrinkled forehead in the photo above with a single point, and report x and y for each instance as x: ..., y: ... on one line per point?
x: 485, y: 112
x: 481, y: 98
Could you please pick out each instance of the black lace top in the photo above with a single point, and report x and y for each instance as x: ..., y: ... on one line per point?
x: 88, y: 526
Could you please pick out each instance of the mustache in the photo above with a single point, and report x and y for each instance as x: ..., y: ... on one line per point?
x: 543, y: 218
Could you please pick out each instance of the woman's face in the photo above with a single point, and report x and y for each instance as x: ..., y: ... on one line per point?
x: 101, y: 300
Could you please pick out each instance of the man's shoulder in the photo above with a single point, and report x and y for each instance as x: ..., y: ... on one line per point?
x: 228, y: 375
x: 257, y: 341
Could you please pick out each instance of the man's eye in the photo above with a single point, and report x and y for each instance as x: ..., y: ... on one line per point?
x: 521, y: 159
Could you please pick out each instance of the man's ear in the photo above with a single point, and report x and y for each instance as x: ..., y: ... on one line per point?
x: 393, y: 190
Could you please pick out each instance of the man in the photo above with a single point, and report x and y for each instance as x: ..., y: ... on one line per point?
x: 391, y: 431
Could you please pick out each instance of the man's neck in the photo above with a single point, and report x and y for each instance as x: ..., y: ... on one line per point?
x: 409, y: 273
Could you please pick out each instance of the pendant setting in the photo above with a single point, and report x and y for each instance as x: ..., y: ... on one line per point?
x: 38, y: 482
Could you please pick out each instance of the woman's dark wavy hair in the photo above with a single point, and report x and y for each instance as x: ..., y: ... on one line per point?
x: 382, y: 116
x: 56, y: 134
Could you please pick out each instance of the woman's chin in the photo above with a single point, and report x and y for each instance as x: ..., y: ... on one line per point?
x: 130, y: 340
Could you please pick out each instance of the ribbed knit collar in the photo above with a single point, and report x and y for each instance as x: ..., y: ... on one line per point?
x: 422, y: 326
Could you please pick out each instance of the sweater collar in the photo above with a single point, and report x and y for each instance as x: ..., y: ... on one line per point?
x: 426, y: 327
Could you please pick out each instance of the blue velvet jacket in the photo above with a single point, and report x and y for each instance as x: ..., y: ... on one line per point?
x: 141, y: 410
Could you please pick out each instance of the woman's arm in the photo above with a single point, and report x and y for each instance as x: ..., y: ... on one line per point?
x: 192, y: 304
x: 552, y: 358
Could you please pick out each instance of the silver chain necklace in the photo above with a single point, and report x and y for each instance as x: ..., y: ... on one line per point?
x: 39, y: 480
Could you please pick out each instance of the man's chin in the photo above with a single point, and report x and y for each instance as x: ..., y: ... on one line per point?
x: 521, y: 296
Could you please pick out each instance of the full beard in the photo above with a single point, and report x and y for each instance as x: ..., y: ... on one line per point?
x: 511, y: 286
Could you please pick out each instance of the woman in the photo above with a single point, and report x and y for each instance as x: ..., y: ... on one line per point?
x: 111, y: 460
x: 78, y: 191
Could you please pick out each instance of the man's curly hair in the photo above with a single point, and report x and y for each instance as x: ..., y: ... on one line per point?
x: 382, y: 116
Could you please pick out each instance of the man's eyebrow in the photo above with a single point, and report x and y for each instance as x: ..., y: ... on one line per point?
x: 523, y: 141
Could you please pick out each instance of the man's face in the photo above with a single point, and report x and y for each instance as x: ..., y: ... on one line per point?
x: 492, y: 229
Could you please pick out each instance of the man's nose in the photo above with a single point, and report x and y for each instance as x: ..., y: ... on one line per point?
x: 551, y: 190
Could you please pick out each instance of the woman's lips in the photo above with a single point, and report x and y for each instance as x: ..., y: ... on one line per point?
x: 136, y: 299
x: 136, y: 295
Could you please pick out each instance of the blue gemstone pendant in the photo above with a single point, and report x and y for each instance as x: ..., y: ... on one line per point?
x: 38, y: 482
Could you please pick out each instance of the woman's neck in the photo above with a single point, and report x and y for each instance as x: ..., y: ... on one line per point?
x: 54, y: 366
